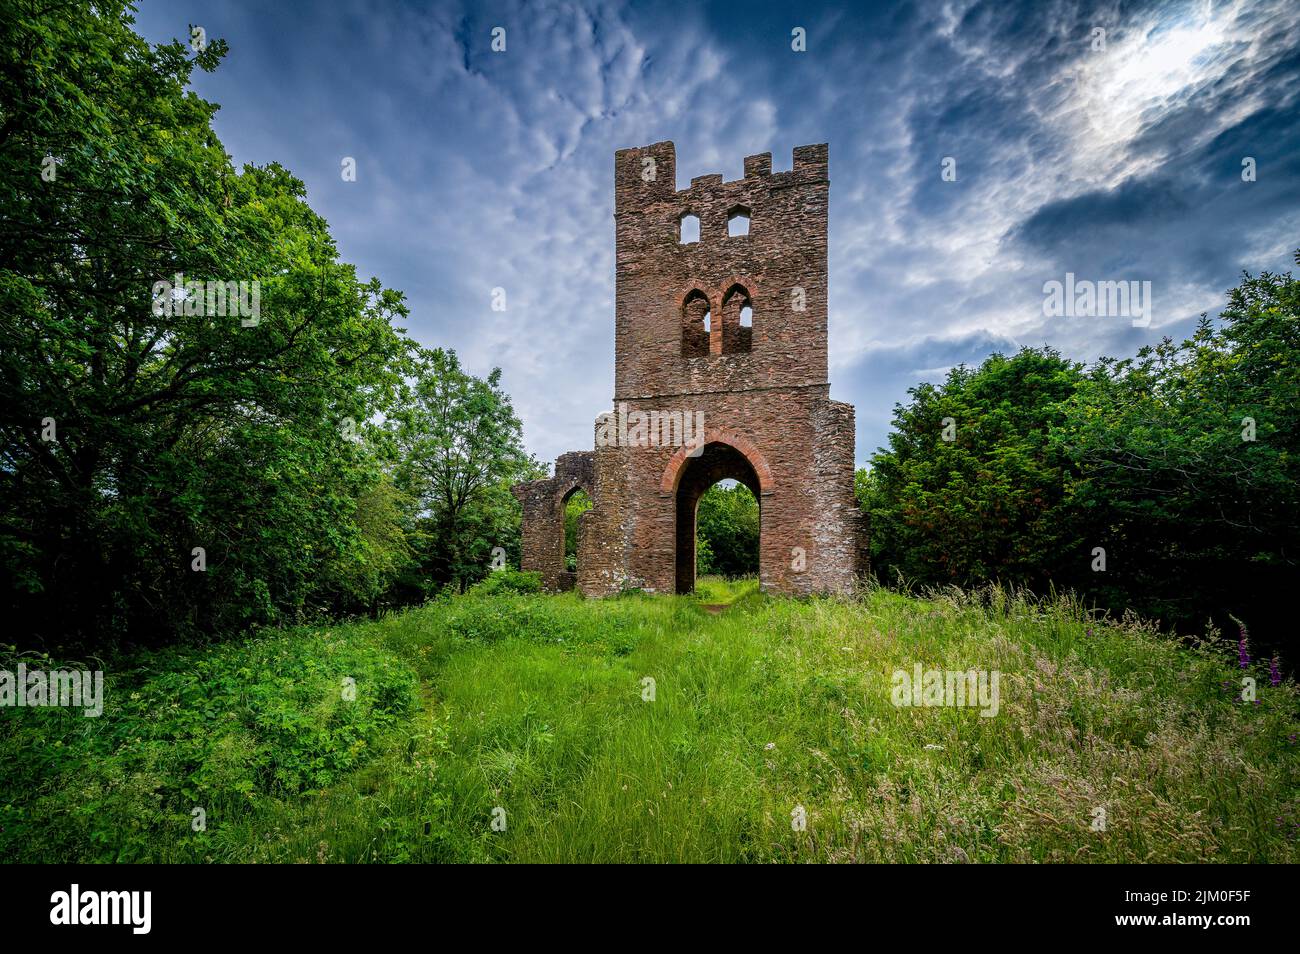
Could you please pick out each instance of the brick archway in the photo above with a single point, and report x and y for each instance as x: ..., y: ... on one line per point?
x: 687, y: 478
x: 677, y: 464
x: 569, y: 489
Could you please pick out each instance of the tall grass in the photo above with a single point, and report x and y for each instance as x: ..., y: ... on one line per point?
x: 537, y: 710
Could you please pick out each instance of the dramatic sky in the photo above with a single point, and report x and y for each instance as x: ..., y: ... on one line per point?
x: 478, y: 169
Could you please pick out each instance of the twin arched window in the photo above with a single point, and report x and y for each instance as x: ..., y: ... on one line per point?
x: 731, y: 331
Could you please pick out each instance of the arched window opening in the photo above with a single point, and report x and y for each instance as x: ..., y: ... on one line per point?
x: 575, y: 505
x: 737, y: 321
x: 697, y: 325
x: 738, y: 221
x: 690, y: 229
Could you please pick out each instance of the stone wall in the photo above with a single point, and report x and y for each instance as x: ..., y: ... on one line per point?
x: 543, y: 505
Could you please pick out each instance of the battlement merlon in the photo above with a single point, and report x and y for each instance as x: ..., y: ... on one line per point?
x: 644, y: 175
x: 647, y: 175
x: 812, y: 160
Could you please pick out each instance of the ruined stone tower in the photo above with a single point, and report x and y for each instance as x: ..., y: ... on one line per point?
x: 724, y: 335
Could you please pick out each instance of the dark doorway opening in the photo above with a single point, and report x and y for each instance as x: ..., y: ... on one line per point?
x: 718, y: 462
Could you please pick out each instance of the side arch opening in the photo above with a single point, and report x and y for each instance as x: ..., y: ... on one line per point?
x: 574, y: 504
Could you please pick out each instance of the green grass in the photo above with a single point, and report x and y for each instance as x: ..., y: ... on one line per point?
x: 534, y: 704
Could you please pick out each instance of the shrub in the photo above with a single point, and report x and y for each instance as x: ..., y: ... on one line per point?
x: 509, y: 581
x: 503, y: 617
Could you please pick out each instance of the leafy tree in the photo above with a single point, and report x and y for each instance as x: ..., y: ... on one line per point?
x: 972, y: 488
x: 727, y: 531
x: 1189, y: 463
x: 459, y: 447
x: 134, y: 427
x: 1180, y: 468
x: 382, y: 551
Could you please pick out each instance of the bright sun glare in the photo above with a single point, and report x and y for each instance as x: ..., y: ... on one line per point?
x: 1164, y: 64
x: 1123, y: 87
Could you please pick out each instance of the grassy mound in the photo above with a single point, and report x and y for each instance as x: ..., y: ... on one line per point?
x: 649, y: 728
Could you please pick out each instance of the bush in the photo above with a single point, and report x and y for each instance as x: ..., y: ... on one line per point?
x: 504, y: 617
x: 509, y: 581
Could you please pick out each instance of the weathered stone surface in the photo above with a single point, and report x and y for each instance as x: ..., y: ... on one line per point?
x: 543, y: 506
x: 762, y: 390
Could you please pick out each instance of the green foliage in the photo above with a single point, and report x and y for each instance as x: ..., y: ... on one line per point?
x: 509, y: 581
x: 173, y: 431
x: 177, y: 430
x: 1196, y: 516
x: 486, y: 618
x: 537, y: 703
x: 222, y: 728
x: 1148, y: 459
x: 459, y: 448
x: 727, y: 532
x: 721, y: 591
x: 989, y: 503
x: 383, y: 549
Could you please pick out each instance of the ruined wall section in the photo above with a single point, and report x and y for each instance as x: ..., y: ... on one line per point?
x: 838, y: 529
x: 543, y: 517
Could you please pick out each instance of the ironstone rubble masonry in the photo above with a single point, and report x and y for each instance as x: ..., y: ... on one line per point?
x: 769, y: 421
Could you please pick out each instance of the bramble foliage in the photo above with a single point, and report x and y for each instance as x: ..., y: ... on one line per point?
x: 509, y: 581
x: 219, y: 728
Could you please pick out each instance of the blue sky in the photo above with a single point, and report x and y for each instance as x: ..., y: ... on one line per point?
x: 478, y: 170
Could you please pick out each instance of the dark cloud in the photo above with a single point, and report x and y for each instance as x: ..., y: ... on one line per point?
x: 1095, y: 216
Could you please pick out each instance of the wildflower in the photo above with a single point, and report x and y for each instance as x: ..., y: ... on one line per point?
x: 770, y: 746
x: 1242, y: 654
x: 1274, y: 675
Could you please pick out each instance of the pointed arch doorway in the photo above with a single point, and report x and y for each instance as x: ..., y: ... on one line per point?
x: 689, y: 477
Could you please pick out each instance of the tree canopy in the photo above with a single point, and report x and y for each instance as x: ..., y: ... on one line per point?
x: 172, y: 461
x: 1168, y: 483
